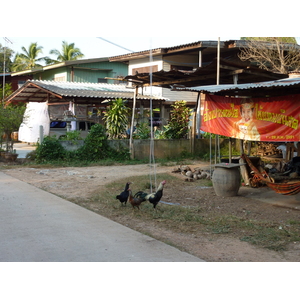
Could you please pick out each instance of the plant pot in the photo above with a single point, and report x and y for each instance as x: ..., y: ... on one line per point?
x: 11, y: 156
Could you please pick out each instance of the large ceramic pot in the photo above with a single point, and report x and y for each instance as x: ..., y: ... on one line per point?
x: 11, y: 156
x: 226, y: 179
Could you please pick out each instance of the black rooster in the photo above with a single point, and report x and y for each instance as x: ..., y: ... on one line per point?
x: 123, y: 197
x: 153, y: 198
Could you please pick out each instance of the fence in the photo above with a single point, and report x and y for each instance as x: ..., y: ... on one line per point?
x: 164, y: 148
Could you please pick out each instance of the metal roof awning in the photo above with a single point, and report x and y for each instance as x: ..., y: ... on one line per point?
x: 287, y: 86
x: 81, y: 93
x: 244, y: 73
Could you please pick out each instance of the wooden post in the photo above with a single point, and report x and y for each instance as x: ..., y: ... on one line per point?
x: 243, y: 168
x: 193, y: 130
x: 41, y: 133
x: 230, y: 150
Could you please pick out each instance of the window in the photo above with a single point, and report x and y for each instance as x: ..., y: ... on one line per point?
x: 58, y: 124
x: 81, y: 126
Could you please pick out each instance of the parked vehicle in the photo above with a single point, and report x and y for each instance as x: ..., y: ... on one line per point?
x: 59, y: 128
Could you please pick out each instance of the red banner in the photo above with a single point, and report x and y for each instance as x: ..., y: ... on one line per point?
x: 273, y: 119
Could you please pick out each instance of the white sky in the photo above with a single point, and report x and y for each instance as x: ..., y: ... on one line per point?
x: 93, y: 47
x: 139, y: 25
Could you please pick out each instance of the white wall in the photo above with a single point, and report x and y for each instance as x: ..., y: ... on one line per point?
x: 158, y: 91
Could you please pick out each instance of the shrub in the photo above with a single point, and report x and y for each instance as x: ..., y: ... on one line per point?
x: 50, y: 149
x: 95, y: 145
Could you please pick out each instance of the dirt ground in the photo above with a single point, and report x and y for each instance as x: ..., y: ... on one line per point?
x: 84, y: 181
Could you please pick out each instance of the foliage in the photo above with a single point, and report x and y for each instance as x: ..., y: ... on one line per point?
x: 73, y: 135
x: 95, y: 145
x: 29, y: 58
x: 143, y: 131
x: 275, y: 54
x: 116, y: 119
x: 11, y: 117
x: 6, y: 53
x: 178, y: 126
x: 7, y: 90
x: 50, y: 149
x: 95, y: 148
x: 69, y: 52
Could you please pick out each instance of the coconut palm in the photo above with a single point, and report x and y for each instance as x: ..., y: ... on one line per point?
x: 69, y: 52
x: 29, y: 58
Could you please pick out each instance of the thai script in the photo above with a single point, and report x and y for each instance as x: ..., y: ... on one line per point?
x: 221, y: 113
x: 278, y: 118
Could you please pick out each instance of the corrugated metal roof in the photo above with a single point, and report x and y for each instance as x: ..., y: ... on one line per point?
x: 40, y: 91
x: 165, y: 50
x: 206, y: 75
x: 61, y: 64
x: 266, y: 86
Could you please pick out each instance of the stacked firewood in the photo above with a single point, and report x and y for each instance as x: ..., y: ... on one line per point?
x: 266, y: 149
x: 192, y: 174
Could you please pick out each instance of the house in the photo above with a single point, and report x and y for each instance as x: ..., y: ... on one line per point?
x: 86, y: 101
x: 84, y: 70
x: 160, y: 70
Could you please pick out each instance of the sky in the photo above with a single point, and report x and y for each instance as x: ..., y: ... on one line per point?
x: 95, y: 47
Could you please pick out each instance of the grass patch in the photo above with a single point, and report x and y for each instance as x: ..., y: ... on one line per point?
x: 262, y: 233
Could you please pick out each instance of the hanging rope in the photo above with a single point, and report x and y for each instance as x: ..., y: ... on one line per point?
x: 151, y: 156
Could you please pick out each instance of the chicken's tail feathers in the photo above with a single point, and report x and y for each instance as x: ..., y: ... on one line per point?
x: 140, y: 195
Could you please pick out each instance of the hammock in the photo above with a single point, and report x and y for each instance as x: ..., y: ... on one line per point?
x: 280, y: 188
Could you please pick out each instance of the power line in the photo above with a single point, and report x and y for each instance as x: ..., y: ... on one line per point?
x: 101, y: 38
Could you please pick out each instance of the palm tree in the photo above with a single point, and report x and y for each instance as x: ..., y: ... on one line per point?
x: 69, y: 52
x: 29, y: 58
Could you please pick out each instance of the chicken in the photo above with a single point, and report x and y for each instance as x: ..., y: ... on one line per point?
x: 123, y: 197
x: 135, y: 202
x: 153, y: 198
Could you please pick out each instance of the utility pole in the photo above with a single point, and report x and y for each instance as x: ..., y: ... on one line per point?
x: 4, y: 58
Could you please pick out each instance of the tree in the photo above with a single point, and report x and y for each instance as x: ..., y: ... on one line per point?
x: 116, y: 119
x: 275, y: 54
x: 69, y: 52
x: 6, y: 53
x: 29, y: 59
x: 7, y: 91
x: 11, y: 117
x: 178, y: 126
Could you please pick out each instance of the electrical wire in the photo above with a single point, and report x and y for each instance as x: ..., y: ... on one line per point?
x: 101, y: 38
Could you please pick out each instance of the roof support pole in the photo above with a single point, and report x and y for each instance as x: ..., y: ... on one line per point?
x: 200, y: 59
x: 217, y: 140
x: 198, y: 116
x: 218, y: 62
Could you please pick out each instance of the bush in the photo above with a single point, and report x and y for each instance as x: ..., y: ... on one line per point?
x: 95, y: 145
x: 95, y: 148
x: 50, y: 149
